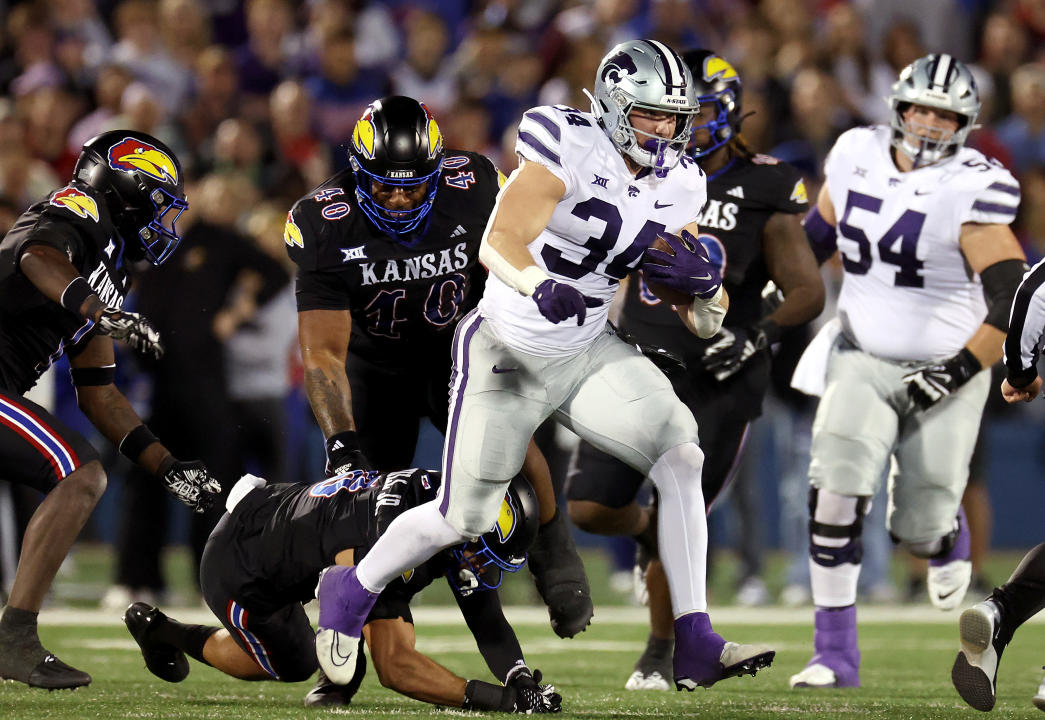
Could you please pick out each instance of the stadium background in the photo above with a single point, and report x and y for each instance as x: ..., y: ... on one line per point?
x: 256, y: 97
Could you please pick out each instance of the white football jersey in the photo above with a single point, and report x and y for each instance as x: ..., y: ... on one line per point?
x: 908, y: 293
x: 597, y: 234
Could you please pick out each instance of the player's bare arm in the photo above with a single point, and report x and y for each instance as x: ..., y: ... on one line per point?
x: 107, y: 408
x: 323, y: 335
x: 994, y: 250
x: 402, y: 668
x: 525, y: 206
x: 793, y: 267
x: 50, y: 271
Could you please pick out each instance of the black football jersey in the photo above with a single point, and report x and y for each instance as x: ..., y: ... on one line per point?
x: 292, y: 531
x: 741, y: 198
x: 402, y: 293
x: 34, y: 331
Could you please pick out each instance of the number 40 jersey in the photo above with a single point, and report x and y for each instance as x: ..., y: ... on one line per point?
x: 597, y: 233
x: 908, y: 293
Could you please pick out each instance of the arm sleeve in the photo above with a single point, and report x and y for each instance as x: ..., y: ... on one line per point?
x: 494, y: 637
x: 1026, y: 328
x: 541, y: 141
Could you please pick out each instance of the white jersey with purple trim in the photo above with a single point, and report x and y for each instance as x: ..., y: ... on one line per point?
x: 908, y: 293
x: 597, y: 234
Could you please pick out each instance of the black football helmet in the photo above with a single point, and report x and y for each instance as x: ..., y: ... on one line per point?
x: 718, y: 84
x: 396, y: 142
x: 142, y: 184
x: 481, y: 564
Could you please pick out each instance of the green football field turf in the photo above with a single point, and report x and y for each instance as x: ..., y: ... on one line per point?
x: 906, y: 673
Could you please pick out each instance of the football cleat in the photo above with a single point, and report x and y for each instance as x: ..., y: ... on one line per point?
x: 975, y: 670
x: 560, y: 578
x: 162, y: 659
x: 702, y: 657
x: 343, y: 608
x: 947, y: 583
x: 327, y: 694
x: 814, y: 675
x: 653, y: 667
x: 49, y: 673
x: 836, y: 659
x: 1039, y: 699
x: 654, y: 680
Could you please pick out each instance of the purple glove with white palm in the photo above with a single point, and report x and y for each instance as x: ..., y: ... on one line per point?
x: 689, y: 270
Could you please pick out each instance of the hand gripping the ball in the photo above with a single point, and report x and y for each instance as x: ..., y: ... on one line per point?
x: 686, y: 269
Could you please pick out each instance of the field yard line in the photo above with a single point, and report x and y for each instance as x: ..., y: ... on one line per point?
x: 537, y: 616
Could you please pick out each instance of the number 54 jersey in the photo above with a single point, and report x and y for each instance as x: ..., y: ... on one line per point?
x: 598, y: 232
x: 908, y: 292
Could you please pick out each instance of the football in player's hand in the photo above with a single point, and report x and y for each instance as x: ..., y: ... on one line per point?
x: 666, y: 294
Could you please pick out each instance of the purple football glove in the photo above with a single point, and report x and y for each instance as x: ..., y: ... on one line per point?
x: 689, y: 270
x: 558, y: 301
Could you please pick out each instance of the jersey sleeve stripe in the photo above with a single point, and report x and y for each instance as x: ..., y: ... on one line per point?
x: 1013, y: 190
x: 530, y: 140
x: 988, y: 207
x: 1026, y: 325
x: 544, y: 121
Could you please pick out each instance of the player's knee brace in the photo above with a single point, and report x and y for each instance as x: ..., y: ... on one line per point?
x: 932, y: 549
x: 836, y: 523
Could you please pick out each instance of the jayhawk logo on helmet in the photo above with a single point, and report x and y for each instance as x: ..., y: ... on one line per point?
x: 717, y: 67
x: 363, y: 135
x: 507, y: 518
x: 133, y: 155
x: 79, y: 202
x: 435, y: 138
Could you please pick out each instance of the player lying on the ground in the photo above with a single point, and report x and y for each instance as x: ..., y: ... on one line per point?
x: 263, y: 561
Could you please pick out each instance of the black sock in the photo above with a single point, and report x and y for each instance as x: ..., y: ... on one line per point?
x: 659, y: 647
x: 190, y: 639
x: 1024, y: 594
x: 17, y: 618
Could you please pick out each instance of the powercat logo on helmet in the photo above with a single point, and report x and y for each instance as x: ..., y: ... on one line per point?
x: 618, y: 67
x: 133, y: 155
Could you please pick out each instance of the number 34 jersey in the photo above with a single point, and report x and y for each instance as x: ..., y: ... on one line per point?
x: 908, y: 293
x: 597, y: 233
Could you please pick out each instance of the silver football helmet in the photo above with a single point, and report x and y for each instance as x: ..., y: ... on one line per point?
x: 937, y: 81
x: 645, y: 74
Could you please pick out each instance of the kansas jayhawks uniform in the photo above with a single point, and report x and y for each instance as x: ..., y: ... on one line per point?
x: 908, y: 296
x: 405, y: 296
x: 35, y: 447
x: 514, y: 368
x: 742, y: 196
x: 263, y: 560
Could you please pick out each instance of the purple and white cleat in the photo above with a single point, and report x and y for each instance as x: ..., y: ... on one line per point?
x: 836, y: 661
x: 949, y: 577
x: 343, y: 608
x: 702, y: 657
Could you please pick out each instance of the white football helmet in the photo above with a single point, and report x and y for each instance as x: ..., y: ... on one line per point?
x: 936, y: 81
x: 650, y: 75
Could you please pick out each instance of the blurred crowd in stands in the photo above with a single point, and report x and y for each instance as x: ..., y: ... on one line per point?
x: 256, y: 97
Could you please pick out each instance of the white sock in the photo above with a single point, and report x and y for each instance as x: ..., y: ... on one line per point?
x: 410, y: 540
x: 834, y: 586
x: 682, y: 527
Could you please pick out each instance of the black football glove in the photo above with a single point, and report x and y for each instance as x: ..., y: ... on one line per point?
x: 132, y: 329
x: 933, y: 382
x: 732, y: 348
x: 191, y: 482
x: 531, y: 697
x: 343, y: 454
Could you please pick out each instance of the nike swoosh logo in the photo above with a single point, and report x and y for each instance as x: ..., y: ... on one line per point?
x: 658, y: 206
x: 922, y: 192
x: 704, y: 277
x: 503, y: 370
x: 337, y: 657
x: 943, y: 596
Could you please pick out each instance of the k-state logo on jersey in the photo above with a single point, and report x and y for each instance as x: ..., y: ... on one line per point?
x: 79, y: 202
x: 132, y: 155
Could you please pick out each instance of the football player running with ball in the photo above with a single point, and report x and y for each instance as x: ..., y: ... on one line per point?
x: 751, y: 227
x: 931, y: 267
x: 387, y: 254
x: 592, y: 193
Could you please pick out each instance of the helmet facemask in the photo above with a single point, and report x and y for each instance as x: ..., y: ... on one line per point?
x: 940, y: 82
x: 645, y: 75
x: 394, y: 222
x: 158, y: 234
x: 720, y: 128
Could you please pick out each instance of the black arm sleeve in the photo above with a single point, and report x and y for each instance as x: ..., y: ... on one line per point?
x: 1000, y: 282
x: 494, y: 637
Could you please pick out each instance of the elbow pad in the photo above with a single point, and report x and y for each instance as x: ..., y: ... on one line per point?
x: 1000, y: 282
x: 823, y: 237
